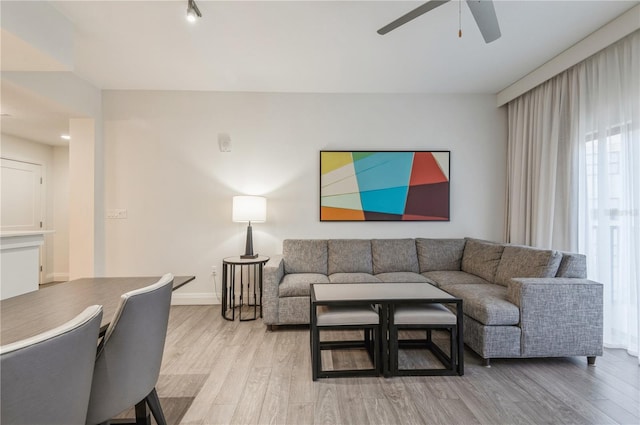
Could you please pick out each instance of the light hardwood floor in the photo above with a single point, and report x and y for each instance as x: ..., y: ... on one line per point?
x: 220, y: 372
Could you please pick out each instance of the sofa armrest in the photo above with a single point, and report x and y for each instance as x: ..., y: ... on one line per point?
x: 558, y: 316
x: 273, y: 274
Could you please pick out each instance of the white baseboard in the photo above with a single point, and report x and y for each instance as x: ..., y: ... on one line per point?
x: 60, y: 277
x: 55, y: 277
x: 205, y: 298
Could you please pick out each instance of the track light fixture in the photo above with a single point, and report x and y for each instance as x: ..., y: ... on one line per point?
x: 192, y: 11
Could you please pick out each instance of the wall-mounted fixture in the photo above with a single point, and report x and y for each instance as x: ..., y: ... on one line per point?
x: 249, y: 209
x: 224, y: 142
x: 192, y: 11
x: 65, y: 137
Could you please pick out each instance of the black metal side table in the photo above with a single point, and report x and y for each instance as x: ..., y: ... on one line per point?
x: 248, y: 273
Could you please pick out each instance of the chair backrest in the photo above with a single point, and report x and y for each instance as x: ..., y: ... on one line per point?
x: 129, y: 358
x: 46, y: 379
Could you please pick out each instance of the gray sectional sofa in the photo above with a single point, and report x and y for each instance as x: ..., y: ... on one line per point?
x: 518, y: 301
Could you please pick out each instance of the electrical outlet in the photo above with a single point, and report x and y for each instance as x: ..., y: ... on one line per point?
x: 214, y: 270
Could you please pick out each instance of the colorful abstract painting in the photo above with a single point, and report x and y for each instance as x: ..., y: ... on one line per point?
x: 384, y: 186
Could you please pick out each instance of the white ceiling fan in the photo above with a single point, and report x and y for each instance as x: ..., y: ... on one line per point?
x: 483, y: 12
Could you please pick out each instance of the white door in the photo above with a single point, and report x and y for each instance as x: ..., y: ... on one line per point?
x: 20, y: 196
x: 21, y: 199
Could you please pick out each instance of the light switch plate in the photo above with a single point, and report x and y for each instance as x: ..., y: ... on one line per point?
x: 118, y: 213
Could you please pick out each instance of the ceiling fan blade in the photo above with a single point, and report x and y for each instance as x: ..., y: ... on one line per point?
x: 420, y: 10
x: 485, y: 15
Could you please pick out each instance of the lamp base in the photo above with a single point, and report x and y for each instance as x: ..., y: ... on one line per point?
x: 248, y: 250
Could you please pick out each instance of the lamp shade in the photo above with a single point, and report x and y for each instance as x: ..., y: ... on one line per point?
x: 249, y: 208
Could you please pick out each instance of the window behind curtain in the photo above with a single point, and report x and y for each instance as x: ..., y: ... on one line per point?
x: 612, y: 222
x: 609, y: 231
x: 573, y: 176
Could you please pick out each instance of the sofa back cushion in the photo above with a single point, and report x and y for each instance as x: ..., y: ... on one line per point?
x: 394, y: 255
x: 524, y: 261
x: 350, y: 256
x: 481, y: 258
x: 439, y: 254
x: 305, y: 256
x: 573, y: 265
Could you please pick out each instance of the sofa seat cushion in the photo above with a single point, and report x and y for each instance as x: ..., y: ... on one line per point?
x: 353, y: 278
x: 481, y: 258
x: 439, y: 254
x: 394, y: 255
x: 486, y: 303
x: 524, y: 261
x: 400, y: 277
x: 444, y: 278
x: 305, y: 256
x: 298, y: 284
x: 349, y: 256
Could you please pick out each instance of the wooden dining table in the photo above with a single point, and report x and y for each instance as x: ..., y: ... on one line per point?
x: 29, y: 314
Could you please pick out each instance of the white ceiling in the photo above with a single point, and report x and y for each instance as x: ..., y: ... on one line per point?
x: 33, y: 117
x: 319, y: 46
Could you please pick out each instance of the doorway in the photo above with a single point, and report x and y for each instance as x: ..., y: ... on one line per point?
x: 21, y: 190
x: 21, y: 206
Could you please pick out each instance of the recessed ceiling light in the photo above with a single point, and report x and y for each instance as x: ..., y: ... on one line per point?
x: 65, y: 137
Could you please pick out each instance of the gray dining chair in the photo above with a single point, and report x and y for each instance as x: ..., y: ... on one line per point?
x: 46, y: 379
x: 130, y: 354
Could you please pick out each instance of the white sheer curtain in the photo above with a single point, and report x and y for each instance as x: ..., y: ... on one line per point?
x: 574, y: 176
x: 610, y: 184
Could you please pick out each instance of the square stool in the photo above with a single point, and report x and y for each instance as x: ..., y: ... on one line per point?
x: 425, y: 317
x: 344, y: 318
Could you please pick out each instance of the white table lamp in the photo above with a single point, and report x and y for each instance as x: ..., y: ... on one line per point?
x: 249, y: 209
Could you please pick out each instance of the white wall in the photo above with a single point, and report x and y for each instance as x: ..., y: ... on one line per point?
x: 60, y: 180
x: 55, y: 264
x: 84, y: 101
x: 82, y: 195
x: 163, y: 165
